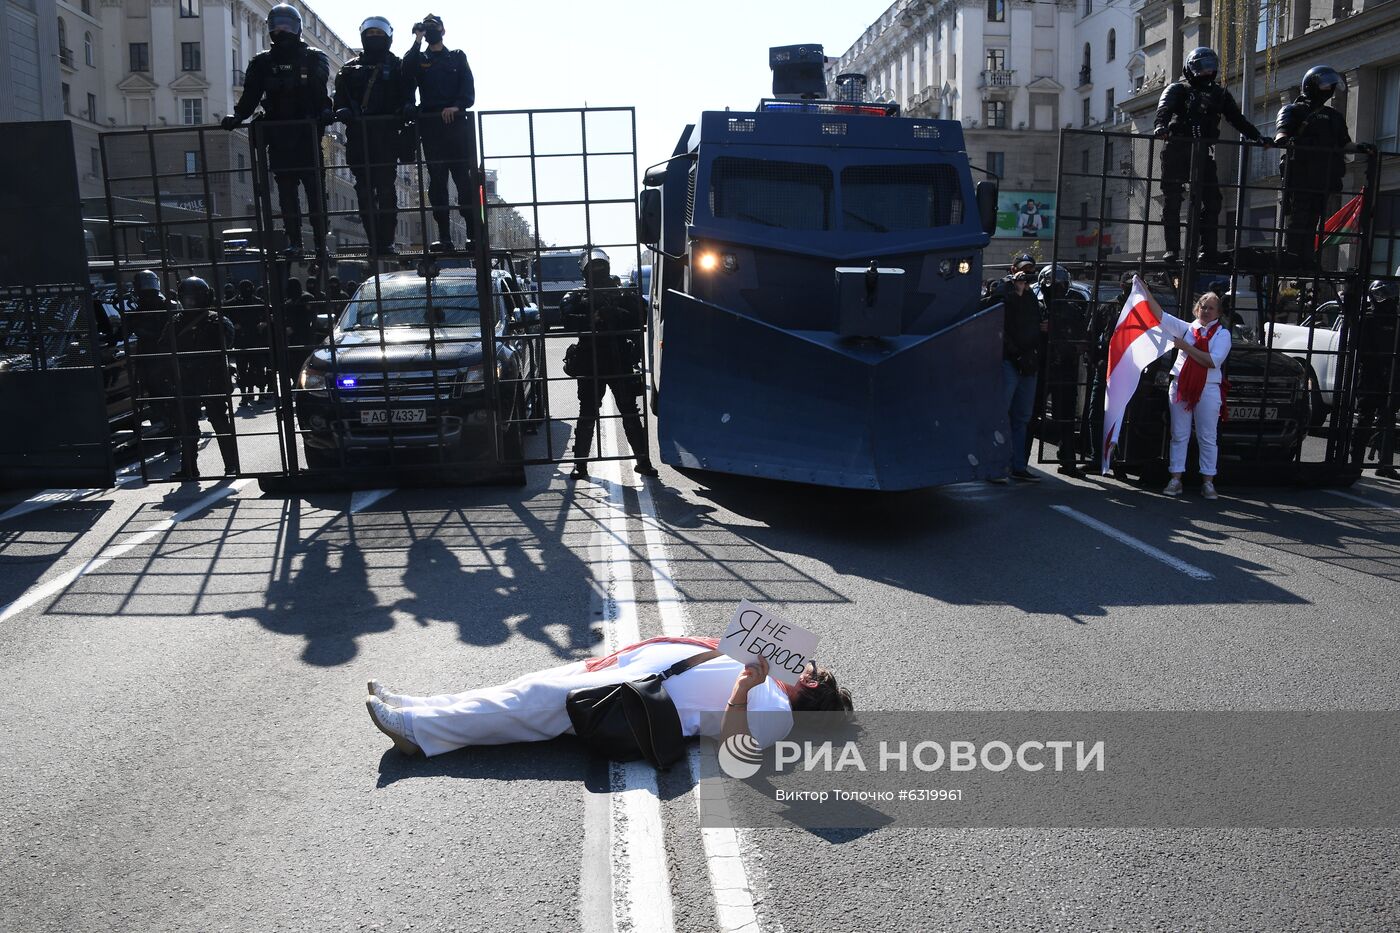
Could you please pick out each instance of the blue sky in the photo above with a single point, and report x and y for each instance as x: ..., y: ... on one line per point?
x: 668, y: 60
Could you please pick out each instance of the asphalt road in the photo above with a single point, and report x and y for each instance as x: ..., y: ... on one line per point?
x: 186, y: 746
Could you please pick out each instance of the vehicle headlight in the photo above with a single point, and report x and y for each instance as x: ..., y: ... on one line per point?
x: 312, y: 380
x: 474, y: 376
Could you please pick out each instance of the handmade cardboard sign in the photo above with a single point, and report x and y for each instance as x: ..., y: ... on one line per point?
x: 753, y: 634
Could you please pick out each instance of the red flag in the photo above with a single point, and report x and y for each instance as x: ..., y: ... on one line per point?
x: 1137, y: 340
x: 1345, y: 221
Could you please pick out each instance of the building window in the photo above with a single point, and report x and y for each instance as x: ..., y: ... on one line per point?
x: 242, y: 167
x: 1088, y: 7
x: 92, y: 107
x: 994, y: 112
x: 191, y: 162
x: 191, y: 111
x: 95, y: 162
x: 996, y: 164
x: 1108, y: 104
x: 1084, y: 161
x: 1083, y: 215
x: 1088, y: 111
x: 1388, y: 108
x: 65, y: 54
x: 1112, y: 44
x: 1141, y: 33
x: 87, y: 48
x: 996, y: 11
x: 140, y: 56
x: 189, y: 56
x: 67, y: 99
x: 996, y: 59
x: 1107, y: 211
x: 189, y: 9
x: 87, y: 7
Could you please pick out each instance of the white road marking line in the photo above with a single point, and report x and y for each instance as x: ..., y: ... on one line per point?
x: 62, y: 582
x: 1142, y: 547
x: 641, y: 880
x: 364, y: 498
x: 1369, y: 503
x: 729, y: 878
x: 51, y: 497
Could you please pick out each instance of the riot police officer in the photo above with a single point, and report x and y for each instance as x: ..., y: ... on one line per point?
x: 1189, y: 111
x: 1378, y: 376
x: 446, y: 91
x: 249, y: 318
x: 197, y: 338
x: 289, y: 80
x: 144, y: 316
x: 372, y: 85
x: 1313, y: 165
x: 1068, y: 317
x: 609, y: 322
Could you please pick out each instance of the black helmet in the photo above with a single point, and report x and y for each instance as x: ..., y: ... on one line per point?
x: 1053, y: 275
x: 590, y: 256
x: 377, y: 22
x: 284, y: 17
x: 1202, y: 65
x: 194, y: 292
x: 1321, y: 82
x: 1383, y: 291
x: 145, y: 281
x: 1025, y: 259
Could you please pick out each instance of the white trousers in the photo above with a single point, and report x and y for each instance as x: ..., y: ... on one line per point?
x: 1206, y: 415
x: 527, y: 709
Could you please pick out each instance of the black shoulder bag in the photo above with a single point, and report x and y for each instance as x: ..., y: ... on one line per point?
x: 634, y: 719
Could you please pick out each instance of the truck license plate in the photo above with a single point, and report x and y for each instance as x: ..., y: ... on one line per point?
x: 1251, y: 413
x: 394, y: 416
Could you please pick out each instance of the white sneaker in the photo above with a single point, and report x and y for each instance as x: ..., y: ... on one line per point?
x: 390, y: 722
x: 389, y: 695
x: 1208, y: 490
x: 1173, y: 488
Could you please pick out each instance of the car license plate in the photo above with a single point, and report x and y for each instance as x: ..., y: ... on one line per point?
x: 1251, y: 413
x: 394, y: 416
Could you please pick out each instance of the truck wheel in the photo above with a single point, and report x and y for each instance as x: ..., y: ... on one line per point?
x: 1318, y: 414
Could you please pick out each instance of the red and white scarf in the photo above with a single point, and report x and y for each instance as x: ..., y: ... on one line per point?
x: 1191, y: 381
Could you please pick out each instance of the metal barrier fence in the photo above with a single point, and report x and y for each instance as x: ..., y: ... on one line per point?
x: 412, y: 376
x: 1312, y: 372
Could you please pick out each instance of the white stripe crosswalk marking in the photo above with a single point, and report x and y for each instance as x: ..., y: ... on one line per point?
x: 1142, y: 547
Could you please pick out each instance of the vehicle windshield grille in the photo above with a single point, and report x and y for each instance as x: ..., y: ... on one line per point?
x: 885, y: 198
x: 786, y: 195
x: 405, y: 303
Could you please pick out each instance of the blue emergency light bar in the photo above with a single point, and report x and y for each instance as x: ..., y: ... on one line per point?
x: 347, y: 382
x: 829, y: 107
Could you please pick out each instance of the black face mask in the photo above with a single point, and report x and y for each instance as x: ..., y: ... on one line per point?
x: 285, y: 39
x: 1201, y: 82
x: 434, y: 36
x: 375, y: 46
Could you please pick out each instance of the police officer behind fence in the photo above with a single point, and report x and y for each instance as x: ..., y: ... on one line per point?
x: 145, y: 316
x: 1378, y: 376
x: 446, y: 91
x: 1313, y: 166
x: 197, y: 338
x: 372, y: 85
x: 1189, y: 110
x: 289, y: 80
x: 609, y: 321
x: 1068, y: 316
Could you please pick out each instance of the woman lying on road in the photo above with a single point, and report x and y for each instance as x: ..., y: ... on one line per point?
x: 713, y: 699
x: 1194, y: 393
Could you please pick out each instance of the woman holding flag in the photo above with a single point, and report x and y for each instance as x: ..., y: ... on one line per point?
x: 1197, y: 390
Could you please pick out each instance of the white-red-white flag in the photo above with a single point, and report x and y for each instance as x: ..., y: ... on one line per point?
x: 1138, y: 340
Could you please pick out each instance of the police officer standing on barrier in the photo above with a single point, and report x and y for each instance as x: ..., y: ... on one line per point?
x: 372, y: 85
x: 1378, y: 376
x: 446, y: 91
x: 1188, y: 112
x: 1068, y: 316
x: 197, y: 338
x: 609, y: 322
x: 1315, y: 168
x: 289, y: 80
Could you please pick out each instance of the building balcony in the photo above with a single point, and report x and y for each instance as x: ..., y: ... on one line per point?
x: 66, y: 57
x: 1086, y: 76
x: 998, y: 77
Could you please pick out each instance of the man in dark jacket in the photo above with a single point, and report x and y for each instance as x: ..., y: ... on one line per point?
x: 1021, y: 332
x: 1378, y: 376
x: 144, y: 315
x: 371, y: 95
x: 1069, y: 321
x: 446, y: 91
x: 249, y: 319
x: 1188, y: 114
x: 289, y: 80
x: 609, y: 322
x: 1313, y: 164
x: 197, y: 340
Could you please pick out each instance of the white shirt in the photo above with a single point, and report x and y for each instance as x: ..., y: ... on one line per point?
x: 702, y: 693
x: 1219, y: 344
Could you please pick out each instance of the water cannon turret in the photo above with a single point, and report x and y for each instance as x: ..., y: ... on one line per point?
x: 798, y: 72
x: 851, y: 87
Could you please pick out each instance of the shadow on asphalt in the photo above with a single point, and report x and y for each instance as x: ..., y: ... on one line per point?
x: 30, y: 545
x: 561, y: 759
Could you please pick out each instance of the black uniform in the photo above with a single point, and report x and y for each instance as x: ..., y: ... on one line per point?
x: 250, y: 339
x: 144, y: 316
x: 1377, y: 381
x: 373, y: 85
x: 200, y: 378
x: 1068, y: 315
x: 444, y: 79
x: 601, y: 361
x: 1187, y: 113
x: 1310, y: 174
x: 289, y: 80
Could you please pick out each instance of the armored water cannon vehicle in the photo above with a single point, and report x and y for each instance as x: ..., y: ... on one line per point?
x: 815, y: 302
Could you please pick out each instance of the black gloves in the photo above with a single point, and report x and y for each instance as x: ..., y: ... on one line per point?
x: 229, y: 122
x: 344, y: 115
